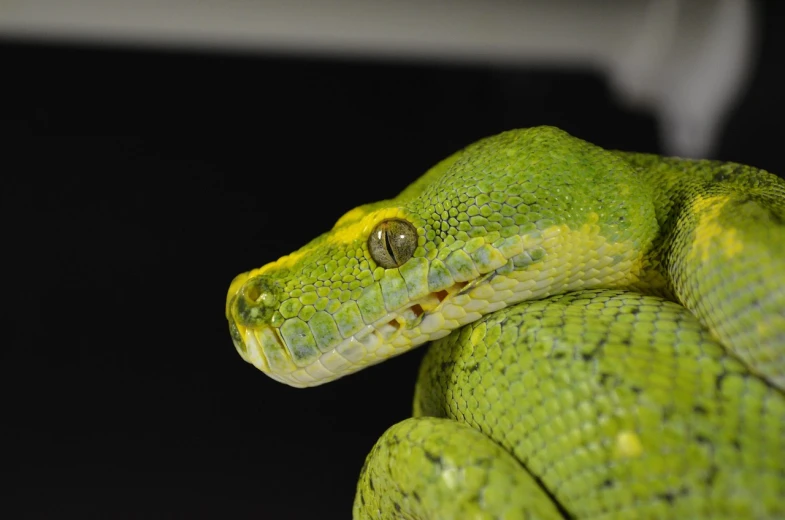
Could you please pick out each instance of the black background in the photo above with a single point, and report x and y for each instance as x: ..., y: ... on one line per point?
x: 136, y: 184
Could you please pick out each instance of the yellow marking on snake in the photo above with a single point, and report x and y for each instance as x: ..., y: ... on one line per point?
x: 354, y: 226
x: 708, y: 229
x: 628, y: 444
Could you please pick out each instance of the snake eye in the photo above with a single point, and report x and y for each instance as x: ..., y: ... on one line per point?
x: 392, y: 243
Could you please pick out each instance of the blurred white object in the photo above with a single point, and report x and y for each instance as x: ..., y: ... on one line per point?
x: 687, y: 60
x: 689, y: 63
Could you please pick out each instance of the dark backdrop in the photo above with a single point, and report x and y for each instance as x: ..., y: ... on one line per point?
x: 137, y: 184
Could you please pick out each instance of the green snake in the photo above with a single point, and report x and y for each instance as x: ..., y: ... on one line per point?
x: 608, y: 333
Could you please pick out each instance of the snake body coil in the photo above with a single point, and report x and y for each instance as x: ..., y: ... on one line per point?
x: 608, y: 333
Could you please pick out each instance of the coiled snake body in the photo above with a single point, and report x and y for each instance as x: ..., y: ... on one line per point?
x: 608, y: 333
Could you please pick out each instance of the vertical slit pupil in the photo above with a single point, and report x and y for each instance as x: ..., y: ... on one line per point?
x: 388, y: 236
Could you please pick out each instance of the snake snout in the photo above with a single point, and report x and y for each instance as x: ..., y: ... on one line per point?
x: 251, y: 302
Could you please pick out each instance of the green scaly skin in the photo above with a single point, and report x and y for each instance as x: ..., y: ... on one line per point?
x: 608, y: 334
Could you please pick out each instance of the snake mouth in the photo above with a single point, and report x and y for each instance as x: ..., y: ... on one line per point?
x: 412, y: 325
x: 393, y: 331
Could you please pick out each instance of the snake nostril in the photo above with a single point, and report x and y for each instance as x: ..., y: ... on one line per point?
x: 260, y: 291
x: 257, y: 301
x: 253, y: 293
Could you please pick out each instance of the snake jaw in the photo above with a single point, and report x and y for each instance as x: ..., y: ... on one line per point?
x: 395, y: 333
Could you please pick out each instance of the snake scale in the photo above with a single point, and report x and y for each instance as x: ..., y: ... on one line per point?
x: 607, y: 328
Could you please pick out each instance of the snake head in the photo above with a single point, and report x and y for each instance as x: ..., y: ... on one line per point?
x: 517, y: 216
x: 352, y: 297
